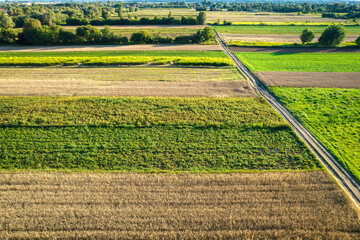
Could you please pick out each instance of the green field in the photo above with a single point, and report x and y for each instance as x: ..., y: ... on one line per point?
x: 147, y: 134
x: 302, y: 62
x: 280, y: 30
x: 119, y: 60
x: 332, y: 115
x: 217, y: 54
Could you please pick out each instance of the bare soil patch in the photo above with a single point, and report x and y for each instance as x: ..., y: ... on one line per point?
x: 292, y: 50
x: 310, y: 79
x: 273, y: 205
x: 271, y: 38
x: 137, y: 81
x: 138, y: 47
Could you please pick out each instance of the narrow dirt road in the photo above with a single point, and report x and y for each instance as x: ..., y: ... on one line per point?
x: 346, y: 181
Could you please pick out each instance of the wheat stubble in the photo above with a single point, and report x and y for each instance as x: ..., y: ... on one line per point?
x: 130, y: 205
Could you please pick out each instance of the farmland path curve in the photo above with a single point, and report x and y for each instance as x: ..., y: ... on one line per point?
x: 345, y: 180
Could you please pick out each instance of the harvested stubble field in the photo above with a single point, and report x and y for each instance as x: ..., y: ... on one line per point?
x: 272, y: 205
x: 95, y: 48
x: 147, y: 134
x: 239, y: 16
x: 332, y: 115
x: 227, y: 37
x: 126, y: 81
x: 301, y: 62
x: 310, y: 79
x: 279, y: 30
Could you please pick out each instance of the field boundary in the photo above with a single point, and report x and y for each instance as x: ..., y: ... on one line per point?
x: 343, y: 178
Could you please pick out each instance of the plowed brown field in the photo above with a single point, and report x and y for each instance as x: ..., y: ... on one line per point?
x: 310, y: 79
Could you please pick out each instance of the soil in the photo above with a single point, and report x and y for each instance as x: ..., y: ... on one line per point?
x: 310, y: 79
x: 127, y: 88
x: 138, y: 47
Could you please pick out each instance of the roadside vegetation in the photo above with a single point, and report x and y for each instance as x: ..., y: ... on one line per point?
x: 332, y: 115
x: 148, y: 134
x: 307, y: 62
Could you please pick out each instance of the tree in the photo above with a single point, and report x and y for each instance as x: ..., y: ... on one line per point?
x: 66, y: 37
x: 307, y: 36
x: 205, y: 35
x: 8, y: 35
x: 31, y: 31
x: 121, y: 10
x: 142, y: 37
x: 201, y: 18
x: 6, y: 22
x: 332, y: 35
x: 357, y: 41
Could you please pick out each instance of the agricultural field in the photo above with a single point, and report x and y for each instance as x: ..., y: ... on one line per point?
x: 279, y: 30
x: 99, y: 150
x: 322, y: 91
x: 124, y: 81
x: 332, y: 115
x: 115, y: 48
x: 240, y: 17
x: 301, y: 62
x: 99, y: 58
x: 158, y: 134
x: 264, y: 205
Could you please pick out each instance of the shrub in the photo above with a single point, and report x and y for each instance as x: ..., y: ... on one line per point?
x: 332, y: 36
x: 307, y: 36
x: 142, y: 37
x: 357, y: 41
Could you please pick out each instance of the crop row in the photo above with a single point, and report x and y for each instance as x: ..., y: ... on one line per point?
x: 131, y: 112
x: 124, y: 60
x: 159, y: 148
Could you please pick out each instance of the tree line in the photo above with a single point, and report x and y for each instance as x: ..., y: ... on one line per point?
x: 34, y: 33
x: 89, y: 13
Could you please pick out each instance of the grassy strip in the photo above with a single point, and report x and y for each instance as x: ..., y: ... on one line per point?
x: 281, y: 30
x: 282, y: 44
x: 217, y: 54
x: 303, y: 62
x: 147, y: 134
x: 124, y: 60
x: 332, y: 115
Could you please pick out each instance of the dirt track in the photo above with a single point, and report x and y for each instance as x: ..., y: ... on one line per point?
x: 138, y: 47
x: 271, y: 38
x: 288, y: 205
x: 344, y: 179
x: 292, y: 50
x: 310, y: 79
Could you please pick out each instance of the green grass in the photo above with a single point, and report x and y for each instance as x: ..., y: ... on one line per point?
x: 332, y: 115
x: 280, y: 30
x: 119, y: 60
x: 304, y: 62
x: 147, y: 134
x: 283, y: 44
x: 218, y: 54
